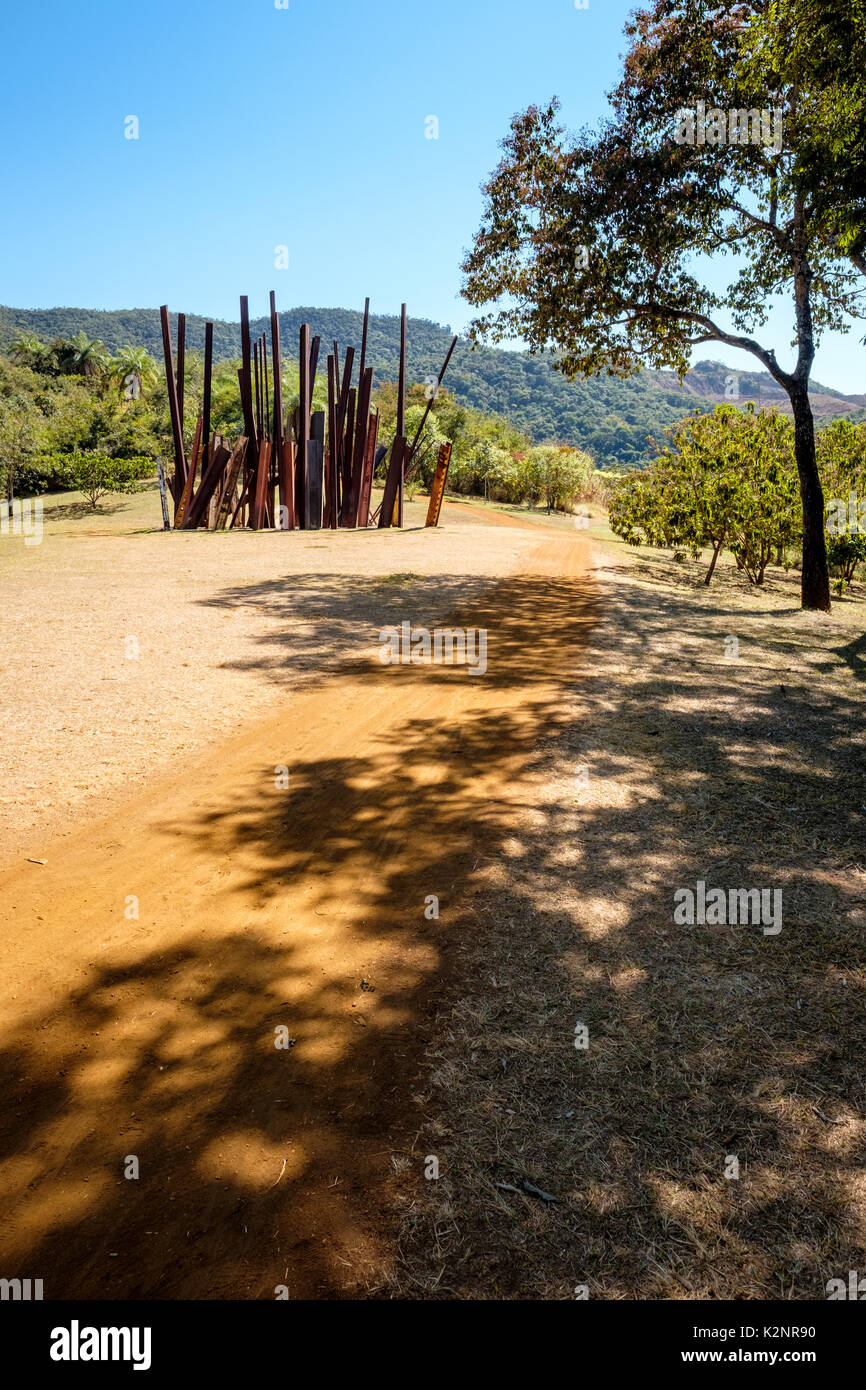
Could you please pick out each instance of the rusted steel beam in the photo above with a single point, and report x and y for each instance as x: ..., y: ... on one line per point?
x: 180, y: 470
x: 330, y: 509
x: 257, y: 511
x: 208, y: 388
x: 343, y: 397
x: 315, y: 468
x: 183, y: 504
x: 196, y: 512
x: 266, y: 413
x: 277, y: 431
x: 304, y: 398
x: 288, y: 498
x: 401, y: 383
x: 367, y: 474
x: 314, y: 365
x: 346, y: 460
x: 363, y: 363
x: 392, y: 481
x: 247, y: 383
x: 248, y: 466
x: 241, y: 502
x: 437, y: 489
x: 257, y: 394
x: 401, y: 409
x: 337, y: 370
x: 433, y: 396
x: 181, y: 361
x: 362, y: 424
x: 232, y: 471
x: 269, y: 514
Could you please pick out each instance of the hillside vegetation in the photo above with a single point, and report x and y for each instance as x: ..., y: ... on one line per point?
x: 609, y: 417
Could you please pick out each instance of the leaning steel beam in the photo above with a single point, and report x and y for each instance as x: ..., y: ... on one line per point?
x: 233, y: 468
x: 433, y: 395
x: 197, y: 510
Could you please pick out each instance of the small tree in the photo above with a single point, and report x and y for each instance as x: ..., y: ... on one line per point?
x: 17, y: 444
x: 727, y: 479
x: 94, y: 474
x: 841, y: 452
x: 845, y: 553
x: 563, y: 473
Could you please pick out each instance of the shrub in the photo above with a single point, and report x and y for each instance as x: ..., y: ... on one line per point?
x: 94, y: 474
x: 728, y: 479
x: 844, y: 554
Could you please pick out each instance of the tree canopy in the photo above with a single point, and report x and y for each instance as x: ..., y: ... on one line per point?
x: 590, y: 243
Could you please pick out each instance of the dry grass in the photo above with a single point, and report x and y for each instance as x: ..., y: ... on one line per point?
x: 704, y: 1042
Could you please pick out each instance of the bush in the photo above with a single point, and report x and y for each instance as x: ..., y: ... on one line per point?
x: 729, y: 479
x: 844, y: 554
x: 94, y: 474
x: 560, y: 475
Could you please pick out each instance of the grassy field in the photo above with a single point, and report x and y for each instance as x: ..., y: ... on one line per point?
x: 668, y: 761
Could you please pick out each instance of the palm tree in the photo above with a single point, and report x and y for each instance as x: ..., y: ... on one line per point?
x: 82, y: 356
x: 133, y: 362
x: 29, y: 351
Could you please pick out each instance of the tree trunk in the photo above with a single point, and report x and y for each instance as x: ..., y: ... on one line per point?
x: 709, y: 574
x: 815, y: 581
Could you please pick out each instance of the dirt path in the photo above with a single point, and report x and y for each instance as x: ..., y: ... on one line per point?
x: 262, y: 908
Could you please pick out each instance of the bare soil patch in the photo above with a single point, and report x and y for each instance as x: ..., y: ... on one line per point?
x: 221, y: 626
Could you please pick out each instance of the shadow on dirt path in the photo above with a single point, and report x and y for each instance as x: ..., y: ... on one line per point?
x: 261, y: 907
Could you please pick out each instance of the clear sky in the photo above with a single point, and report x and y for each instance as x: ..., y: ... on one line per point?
x: 301, y: 127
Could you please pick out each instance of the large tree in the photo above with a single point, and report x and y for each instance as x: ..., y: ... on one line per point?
x: 596, y: 245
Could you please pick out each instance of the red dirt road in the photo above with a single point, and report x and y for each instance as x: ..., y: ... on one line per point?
x: 258, y: 909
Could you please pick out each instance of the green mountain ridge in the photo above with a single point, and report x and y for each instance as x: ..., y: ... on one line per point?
x: 610, y: 417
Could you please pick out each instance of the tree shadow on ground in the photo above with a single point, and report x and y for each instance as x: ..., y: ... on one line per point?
x: 556, y: 908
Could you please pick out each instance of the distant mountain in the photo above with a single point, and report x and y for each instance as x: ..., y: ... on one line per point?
x: 606, y: 415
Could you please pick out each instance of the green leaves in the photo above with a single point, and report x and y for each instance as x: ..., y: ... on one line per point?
x: 728, y: 479
x: 95, y: 474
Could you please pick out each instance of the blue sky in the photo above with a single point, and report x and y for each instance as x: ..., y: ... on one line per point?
x: 301, y: 127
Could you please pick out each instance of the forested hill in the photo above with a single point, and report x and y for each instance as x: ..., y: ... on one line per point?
x: 608, y: 416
